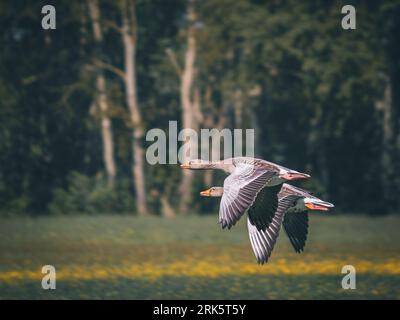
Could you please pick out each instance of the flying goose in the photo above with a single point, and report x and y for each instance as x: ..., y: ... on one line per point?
x: 248, y: 176
x: 292, y: 212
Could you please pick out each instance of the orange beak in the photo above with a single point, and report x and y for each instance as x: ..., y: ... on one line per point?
x: 185, y: 165
x: 318, y: 207
x: 206, y: 193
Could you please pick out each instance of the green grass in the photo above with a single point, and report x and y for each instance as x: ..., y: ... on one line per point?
x: 82, y: 243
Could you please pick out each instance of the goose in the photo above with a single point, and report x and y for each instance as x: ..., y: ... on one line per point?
x: 248, y: 176
x: 292, y: 213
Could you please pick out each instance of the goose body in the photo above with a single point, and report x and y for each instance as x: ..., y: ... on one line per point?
x: 291, y: 212
x: 247, y: 177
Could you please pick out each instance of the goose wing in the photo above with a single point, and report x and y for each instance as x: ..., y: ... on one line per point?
x: 266, y: 165
x: 296, y: 228
x: 240, y: 190
x: 263, y: 241
x: 264, y: 208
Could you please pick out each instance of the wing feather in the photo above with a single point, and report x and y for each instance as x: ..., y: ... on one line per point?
x: 263, y: 210
x: 240, y: 191
x: 296, y: 228
x: 263, y: 241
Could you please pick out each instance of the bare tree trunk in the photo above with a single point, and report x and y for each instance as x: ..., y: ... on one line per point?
x: 106, y: 132
x: 385, y: 106
x: 129, y: 34
x: 213, y: 118
x: 106, y: 125
x: 166, y: 209
x: 190, y: 105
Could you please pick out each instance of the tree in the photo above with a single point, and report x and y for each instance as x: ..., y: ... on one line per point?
x: 129, y: 39
x: 102, y: 102
x: 190, y: 101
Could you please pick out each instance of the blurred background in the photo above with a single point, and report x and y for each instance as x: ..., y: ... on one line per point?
x: 76, y: 103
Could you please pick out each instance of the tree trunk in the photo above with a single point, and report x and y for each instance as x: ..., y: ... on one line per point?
x: 190, y: 108
x: 166, y: 209
x: 385, y: 106
x: 129, y: 33
x: 106, y: 125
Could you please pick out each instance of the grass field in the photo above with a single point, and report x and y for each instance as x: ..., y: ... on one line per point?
x: 125, y: 257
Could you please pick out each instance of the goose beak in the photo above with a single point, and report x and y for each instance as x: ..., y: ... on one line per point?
x: 206, y: 193
x: 314, y: 204
x: 185, y: 165
x: 295, y: 176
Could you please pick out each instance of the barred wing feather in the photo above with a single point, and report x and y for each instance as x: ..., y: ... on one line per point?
x: 240, y: 190
x: 263, y: 242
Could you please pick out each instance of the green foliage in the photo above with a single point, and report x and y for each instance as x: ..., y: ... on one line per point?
x: 91, y: 195
x: 316, y: 110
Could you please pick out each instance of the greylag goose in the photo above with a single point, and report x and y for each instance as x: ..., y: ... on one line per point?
x: 248, y: 176
x: 292, y: 212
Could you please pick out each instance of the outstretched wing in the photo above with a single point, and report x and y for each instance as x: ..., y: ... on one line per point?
x: 263, y: 241
x: 240, y: 190
x: 296, y: 228
x: 263, y: 209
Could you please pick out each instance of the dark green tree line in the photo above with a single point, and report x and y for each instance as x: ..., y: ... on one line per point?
x: 321, y: 99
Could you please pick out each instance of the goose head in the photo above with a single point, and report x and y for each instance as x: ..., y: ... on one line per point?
x: 213, y: 192
x: 311, y: 203
x: 288, y: 175
x: 199, y: 164
x: 317, y: 204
